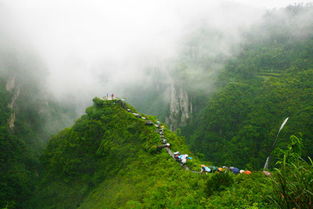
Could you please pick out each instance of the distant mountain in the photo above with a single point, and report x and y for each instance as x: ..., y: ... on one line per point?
x: 28, y: 118
x: 228, y: 98
x: 269, y: 80
x: 227, y: 107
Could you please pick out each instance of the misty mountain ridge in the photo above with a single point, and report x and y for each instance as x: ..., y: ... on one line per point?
x: 110, y: 158
x: 223, y: 94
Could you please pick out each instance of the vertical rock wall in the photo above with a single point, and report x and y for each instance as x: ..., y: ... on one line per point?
x: 11, y: 87
x: 180, y: 108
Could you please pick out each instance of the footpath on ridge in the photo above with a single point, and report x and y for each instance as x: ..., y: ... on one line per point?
x: 166, y: 145
x: 159, y: 128
x: 162, y: 137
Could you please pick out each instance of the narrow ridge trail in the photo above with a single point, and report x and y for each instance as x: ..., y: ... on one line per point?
x: 159, y: 129
x: 158, y: 126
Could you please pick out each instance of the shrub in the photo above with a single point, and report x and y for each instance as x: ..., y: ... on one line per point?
x: 293, y: 184
x: 219, y: 182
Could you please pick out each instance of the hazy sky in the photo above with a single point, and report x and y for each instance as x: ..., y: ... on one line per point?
x: 272, y: 3
x: 79, y: 40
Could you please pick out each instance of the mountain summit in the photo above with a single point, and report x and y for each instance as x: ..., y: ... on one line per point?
x: 112, y: 158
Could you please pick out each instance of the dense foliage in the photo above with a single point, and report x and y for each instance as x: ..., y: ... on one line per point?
x: 33, y: 118
x: 271, y: 79
x: 15, y: 166
x: 107, y: 150
x: 108, y: 159
x: 293, y: 183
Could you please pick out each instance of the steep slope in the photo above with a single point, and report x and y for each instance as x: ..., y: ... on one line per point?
x: 16, y: 161
x: 27, y: 121
x: 109, y: 158
x: 28, y: 117
x: 271, y: 79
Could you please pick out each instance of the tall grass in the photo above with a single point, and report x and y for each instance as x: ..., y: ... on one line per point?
x: 293, y: 181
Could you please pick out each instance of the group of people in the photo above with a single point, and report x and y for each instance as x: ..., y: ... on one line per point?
x: 165, y: 144
x: 107, y: 97
x: 212, y: 169
x: 182, y: 158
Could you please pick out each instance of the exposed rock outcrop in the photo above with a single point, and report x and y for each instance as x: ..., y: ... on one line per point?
x: 180, y: 108
x: 11, y: 87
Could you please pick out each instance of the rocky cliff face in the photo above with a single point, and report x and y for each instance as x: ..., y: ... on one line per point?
x: 12, y: 88
x: 180, y: 107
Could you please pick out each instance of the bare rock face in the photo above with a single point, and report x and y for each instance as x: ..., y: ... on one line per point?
x: 11, y: 121
x: 11, y: 87
x: 180, y: 107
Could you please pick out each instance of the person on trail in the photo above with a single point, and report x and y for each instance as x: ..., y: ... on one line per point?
x: 221, y: 169
x: 176, y: 154
x: 112, y: 96
x: 213, y: 169
x: 136, y: 115
x: 149, y: 123
x: 161, y: 132
x: 205, y: 169
x: 247, y: 172
x: 183, y: 158
x: 234, y: 170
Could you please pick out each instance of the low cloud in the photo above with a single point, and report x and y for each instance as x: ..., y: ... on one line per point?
x: 89, y: 48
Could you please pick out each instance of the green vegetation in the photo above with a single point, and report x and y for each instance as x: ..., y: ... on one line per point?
x: 16, y: 161
x: 108, y: 159
x: 21, y: 145
x: 293, y: 183
x: 271, y: 79
x: 110, y: 151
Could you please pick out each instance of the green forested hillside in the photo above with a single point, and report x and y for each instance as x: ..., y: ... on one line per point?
x: 28, y: 118
x: 109, y: 159
x: 16, y: 160
x: 271, y: 79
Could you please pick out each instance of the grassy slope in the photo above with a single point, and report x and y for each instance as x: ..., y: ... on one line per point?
x: 258, y: 89
x: 105, y: 146
x: 108, y: 159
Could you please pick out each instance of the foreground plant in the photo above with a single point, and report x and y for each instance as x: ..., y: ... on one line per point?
x: 293, y: 182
